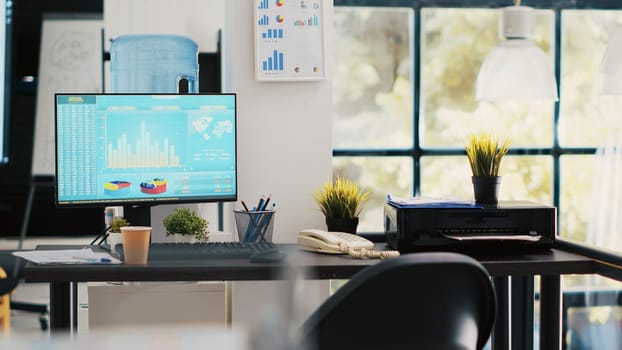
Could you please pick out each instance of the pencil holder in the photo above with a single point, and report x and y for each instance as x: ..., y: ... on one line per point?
x: 254, y: 226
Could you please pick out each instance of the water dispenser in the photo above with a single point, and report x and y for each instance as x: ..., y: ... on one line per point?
x: 154, y: 63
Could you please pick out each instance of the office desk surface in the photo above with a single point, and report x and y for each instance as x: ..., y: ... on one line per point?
x: 550, y: 265
x: 315, y: 266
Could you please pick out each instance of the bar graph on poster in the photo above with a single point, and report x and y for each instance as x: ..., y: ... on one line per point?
x: 289, y: 40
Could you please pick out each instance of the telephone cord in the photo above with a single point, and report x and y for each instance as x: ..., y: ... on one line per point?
x: 368, y: 254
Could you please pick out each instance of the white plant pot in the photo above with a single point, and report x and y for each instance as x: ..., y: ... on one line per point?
x: 179, y: 238
x: 114, y: 238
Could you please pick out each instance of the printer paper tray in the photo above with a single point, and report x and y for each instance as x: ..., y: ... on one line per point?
x: 528, y: 238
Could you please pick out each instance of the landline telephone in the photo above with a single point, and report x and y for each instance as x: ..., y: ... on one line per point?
x: 332, y: 242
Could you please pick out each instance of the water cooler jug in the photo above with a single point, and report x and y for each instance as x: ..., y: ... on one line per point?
x: 154, y: 63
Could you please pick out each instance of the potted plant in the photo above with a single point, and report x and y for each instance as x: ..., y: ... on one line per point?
x: 114, y: 233
x: 341, y: 203
x: 186, y: 226
x: 485, y: 152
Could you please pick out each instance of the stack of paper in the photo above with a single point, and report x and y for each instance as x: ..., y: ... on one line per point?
x: 430, y: 202
x: 67, y: 256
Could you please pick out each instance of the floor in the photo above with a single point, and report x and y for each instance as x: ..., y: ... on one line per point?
x: 27, y: 324
x: 25, y: 332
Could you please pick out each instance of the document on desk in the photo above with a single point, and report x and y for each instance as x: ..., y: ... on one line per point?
x: 430, y: 202
x: 67, y: 256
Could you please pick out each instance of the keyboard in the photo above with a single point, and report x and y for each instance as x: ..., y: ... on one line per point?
x: 206, y: 250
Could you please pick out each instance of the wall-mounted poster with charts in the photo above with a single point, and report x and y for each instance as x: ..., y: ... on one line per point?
x: 289, y: 40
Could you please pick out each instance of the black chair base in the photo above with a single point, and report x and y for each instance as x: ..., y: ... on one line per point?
x: 41, y: 309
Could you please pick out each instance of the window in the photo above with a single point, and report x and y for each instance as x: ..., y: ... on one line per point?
x: 589, y: 122
x: 373, y: 103
x: 404, y: 102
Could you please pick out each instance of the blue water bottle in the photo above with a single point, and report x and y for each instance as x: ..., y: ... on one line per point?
x: 154, y: 63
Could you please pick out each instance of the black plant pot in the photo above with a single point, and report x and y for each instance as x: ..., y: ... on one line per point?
x: 486, y: 189
x: 342, y: 224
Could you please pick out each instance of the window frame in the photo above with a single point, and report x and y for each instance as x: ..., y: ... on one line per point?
x: 417, y: 152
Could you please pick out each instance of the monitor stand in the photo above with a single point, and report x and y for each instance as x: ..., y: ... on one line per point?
x: 137, y: 215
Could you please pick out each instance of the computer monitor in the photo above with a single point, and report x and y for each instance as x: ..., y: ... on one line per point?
x: 141, y: 150
x: 6, y: 13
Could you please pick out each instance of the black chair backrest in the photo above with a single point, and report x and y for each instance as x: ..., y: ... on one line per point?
x: 432, y: 300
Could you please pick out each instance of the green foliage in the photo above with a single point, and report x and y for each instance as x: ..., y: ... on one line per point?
x: 485, y: 153
x: 117, y: 223
x: 186, y: 222
x: 341, y: 199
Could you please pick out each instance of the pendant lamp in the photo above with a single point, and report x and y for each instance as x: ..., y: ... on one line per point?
x: 516, y: 68
x: 610, y: 71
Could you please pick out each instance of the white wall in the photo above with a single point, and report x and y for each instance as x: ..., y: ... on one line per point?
x: 285, y: 148
x: 284, y: 130
x: 199, y: 20
x: 284, y: 134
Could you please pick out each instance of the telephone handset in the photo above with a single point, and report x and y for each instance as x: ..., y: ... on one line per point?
x: 331, y: 242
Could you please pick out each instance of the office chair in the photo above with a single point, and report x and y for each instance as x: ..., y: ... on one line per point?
x: 13, y: 267
x: 7, y: 284
x: 430, y: 300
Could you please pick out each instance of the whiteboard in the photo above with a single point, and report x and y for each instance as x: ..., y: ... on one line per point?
x: 70, y: 61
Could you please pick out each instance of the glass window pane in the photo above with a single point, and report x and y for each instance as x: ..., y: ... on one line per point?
x: 586, y: 118
x: 592, y: 312
x: 382, y: 175
x: 523, y: 178
x: 454, y: 45
x: 574, y: 205
x: 373, y: 78
x: 591, y: 199
x: 594, y: 327
x: 446, y: 177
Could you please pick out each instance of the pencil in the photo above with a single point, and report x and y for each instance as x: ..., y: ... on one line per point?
x: 244, y: 205
x: 260, y: 204
x: 265, y: 205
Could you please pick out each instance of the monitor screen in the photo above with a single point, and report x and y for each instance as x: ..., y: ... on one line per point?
x: 6, y: 13
x: 140, y: 150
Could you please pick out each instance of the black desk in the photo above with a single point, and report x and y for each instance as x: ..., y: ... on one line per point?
x: 513, y: 272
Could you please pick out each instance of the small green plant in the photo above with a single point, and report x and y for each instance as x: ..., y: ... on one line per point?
x: 186, y: 222
x: 341, y: 199
x: 117, y: 223
x: 485, y: 153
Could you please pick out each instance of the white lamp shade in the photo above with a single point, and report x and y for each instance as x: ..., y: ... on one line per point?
x: 516, y: 69
x: 610, y: 72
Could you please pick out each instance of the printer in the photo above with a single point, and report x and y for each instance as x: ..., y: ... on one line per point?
x: 509, y: 226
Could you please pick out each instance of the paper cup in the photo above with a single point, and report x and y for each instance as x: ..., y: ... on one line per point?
x: 135, y: 244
